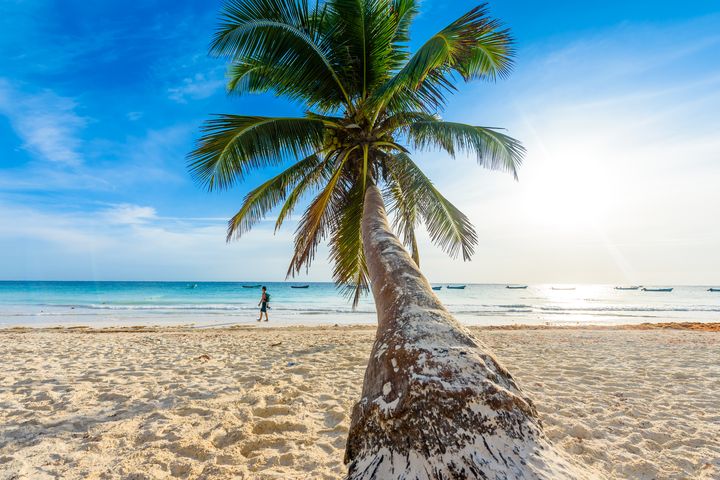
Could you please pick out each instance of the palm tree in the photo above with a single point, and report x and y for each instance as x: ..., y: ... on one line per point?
x: 435, y: 403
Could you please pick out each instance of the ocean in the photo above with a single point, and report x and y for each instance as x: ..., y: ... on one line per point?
x: 207, y: 304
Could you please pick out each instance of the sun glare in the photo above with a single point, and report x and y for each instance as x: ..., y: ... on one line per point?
x: 569, y: 189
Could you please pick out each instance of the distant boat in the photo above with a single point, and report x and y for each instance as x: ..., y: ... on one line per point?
x: 713, y: 289
x: 516, y: 287
x: 437, y: 288
x: 628, y: 288
x: 456, y: 287
x: 299, y: 286
x: 251, y: 286
x: 563, y: 288
x: 657, y: 289
x: 192, y: 285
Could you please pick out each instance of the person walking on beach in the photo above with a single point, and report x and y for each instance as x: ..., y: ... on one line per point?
x: 264, y: 300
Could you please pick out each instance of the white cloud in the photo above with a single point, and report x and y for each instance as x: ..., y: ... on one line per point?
x: 132, y: 242
x: 196, y: 87
x: 47, y: 123
x: 127, y: 214
x: 140, y: 160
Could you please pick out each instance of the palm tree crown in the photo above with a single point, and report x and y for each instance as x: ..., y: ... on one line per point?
x: 369, y: 101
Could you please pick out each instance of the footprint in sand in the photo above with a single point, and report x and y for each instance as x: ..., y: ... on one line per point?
x: 112, y: 397
x: 254, y: 447
x: 228, y: 439
x: 266, y: 427
x: 188, y: 411
x: 334, y: 418
x: 271, y: 411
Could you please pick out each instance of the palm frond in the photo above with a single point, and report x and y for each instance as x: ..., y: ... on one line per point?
x: 493, y: 149
x: 264, y: 198
x: 284, y: 37
x: 448, y: 227
x: 474, y: 46
x: 314, y: 224
x: 366, y: 30
x: 346, y: 246
x: 232, y: 145
x: 320, y: 173
x: 403, y: 203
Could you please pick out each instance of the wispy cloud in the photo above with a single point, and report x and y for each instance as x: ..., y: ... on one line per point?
x: 128, y: 163
x: 129, y: 241
x: 47, y: 123
x: 128, y: 214
x: 197, y: 87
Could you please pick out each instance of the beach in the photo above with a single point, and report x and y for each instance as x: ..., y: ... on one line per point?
x: 274, y: 403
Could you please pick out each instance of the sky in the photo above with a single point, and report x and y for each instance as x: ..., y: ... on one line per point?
x: 616, y: 102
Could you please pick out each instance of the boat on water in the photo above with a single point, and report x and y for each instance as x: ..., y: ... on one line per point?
x: 299, y: 286
x: 713, y: 289
x: 437, y: 288
x: 192, y: 285
x: 628, y: 288
x: 251, y: 286
x: 563, y: 288
x: 516, y: 287
x: 456, y: 287
x: 657, y: 289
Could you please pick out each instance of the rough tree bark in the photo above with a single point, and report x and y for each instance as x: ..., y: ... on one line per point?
x: 435, y: 404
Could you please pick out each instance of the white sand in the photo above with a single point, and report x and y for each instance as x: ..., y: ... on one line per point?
x: 631, y: 404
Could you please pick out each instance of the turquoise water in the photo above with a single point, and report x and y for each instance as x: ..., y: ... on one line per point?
x: 225, y: 303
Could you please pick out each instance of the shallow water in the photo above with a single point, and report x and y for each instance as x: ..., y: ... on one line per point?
x: 225, y: 303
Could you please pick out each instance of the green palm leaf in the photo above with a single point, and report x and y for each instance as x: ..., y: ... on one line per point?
x: 493, y: 150
x: 448, y: 227
x: 404, y: 203
x: 268, y: 195
x: 315, y: 223
x: 234, y: 144
x: 311, y: 180
x: 346, y: 246
x: 474, y: 46
x: 286, y: 38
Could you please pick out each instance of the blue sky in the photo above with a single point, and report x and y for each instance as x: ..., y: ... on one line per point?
x: 616, y: 102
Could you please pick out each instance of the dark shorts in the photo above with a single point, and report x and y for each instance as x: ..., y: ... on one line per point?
x: 263, y: 307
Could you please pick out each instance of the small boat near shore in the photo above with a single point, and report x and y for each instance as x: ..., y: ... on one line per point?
x: 713, y: 289
x: 456, y: 287
x: 437, y: 288
x: 299, y: 286
x: 516, y: 287
x: 657, y: 289
x: 251, y: 286
x: 629, y: 288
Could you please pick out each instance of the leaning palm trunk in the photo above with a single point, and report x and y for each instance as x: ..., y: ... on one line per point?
x: 435, y: 404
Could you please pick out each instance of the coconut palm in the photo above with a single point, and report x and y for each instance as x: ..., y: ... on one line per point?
x: 370, y: 102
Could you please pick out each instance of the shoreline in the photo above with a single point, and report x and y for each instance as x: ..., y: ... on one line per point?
x: 682, y: 326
